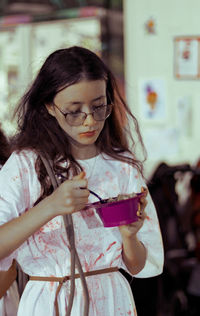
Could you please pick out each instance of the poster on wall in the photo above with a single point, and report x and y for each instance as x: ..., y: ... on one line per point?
x: 187, y: 57
x: 152, y: 97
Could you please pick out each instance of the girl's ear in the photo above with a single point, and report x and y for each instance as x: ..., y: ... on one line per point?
x: 50, y: 109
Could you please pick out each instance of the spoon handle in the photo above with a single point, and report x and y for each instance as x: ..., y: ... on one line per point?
x: 95, y: 194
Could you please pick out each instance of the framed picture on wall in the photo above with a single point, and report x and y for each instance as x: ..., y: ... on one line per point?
x: 152, y: 100
x: 187, y: 57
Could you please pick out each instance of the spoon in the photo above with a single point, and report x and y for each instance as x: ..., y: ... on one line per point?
x: 102, y: 201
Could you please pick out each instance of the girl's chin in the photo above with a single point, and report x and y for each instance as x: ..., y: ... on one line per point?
x: 86, y: 142
x: 78, y: 143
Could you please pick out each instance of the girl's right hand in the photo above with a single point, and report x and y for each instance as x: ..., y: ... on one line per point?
x: 66, y: 199
x: 71, y: 196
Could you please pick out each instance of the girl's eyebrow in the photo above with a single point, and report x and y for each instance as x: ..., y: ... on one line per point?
x: 80, y: 103
x: 98, y: 98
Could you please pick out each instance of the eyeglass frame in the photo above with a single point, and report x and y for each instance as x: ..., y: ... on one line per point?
x: 86, y: 114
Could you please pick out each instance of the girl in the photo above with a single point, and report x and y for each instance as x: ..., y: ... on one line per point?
x: 9, y: 296
x: 73, y: 112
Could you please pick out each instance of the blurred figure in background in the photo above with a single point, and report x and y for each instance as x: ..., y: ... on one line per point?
x: 9, y: 297
x: 191, y: 226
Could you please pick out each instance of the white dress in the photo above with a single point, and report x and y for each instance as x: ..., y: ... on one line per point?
x: 46, y: 253
x: 10, y: 301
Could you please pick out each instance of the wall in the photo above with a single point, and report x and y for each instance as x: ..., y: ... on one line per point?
x: 174, y: 139
x: 24, y: 47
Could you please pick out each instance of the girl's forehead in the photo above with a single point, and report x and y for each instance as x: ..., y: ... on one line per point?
x: 83, y: 90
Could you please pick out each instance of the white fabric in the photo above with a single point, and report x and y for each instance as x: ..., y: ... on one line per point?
x: 10, y: 301
x: 46, y: 253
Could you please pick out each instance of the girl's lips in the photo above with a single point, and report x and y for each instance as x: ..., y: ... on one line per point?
x: 87, y: 134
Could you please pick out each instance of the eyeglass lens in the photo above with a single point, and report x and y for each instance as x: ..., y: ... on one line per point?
x: 99, y: 114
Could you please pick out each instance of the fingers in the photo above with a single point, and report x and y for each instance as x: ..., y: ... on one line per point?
x: 77, y: 198
x: 71, y: 195
x: 139, y: 212
x: 79, y: 176
x: 76, y: 184
x: 132, y: 228
x: 144, y: 190
x: 141, y: 208
x: 77, y: 181
x: 143, y: 202
x: 81, y: 193
x: 75, y: 204
x: 141, y: 215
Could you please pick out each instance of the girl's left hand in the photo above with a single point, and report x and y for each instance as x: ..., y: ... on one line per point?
x: 131, y: 230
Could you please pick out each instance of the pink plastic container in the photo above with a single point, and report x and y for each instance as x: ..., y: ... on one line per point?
x: 119, y: 212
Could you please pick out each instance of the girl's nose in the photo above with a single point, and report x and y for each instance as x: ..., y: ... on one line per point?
x: 89, y: 121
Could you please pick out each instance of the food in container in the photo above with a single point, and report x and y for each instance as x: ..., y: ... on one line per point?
x: 120, y: 210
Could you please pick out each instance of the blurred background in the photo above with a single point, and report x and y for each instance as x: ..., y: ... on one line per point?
x: 153, y: 48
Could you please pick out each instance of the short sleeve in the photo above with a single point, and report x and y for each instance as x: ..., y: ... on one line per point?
x: 15, y: 178
x: 149, y: 234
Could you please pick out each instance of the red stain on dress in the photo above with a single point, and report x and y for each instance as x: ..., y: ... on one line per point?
x: 99, y: 257
x: 64, y: 241
x: 113, y: 243
x: 148, y: 218
x: 87, y: 213
x: 109, y: 175
x: 48, y: 249
x: 90, y: 212
x: 124, y: 170
x: 24, y: 170
x: 51, y: 283
x: 87, y: 265
x: 15, y: 178
x: 115, y: 259
x: 51, y: 225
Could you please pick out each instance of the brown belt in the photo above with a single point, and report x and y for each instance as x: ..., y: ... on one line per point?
x: 61, y: 280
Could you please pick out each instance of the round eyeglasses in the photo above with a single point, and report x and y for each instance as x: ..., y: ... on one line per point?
x: 100, y: 113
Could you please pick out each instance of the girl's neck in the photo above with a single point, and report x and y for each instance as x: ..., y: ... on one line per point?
x: 84, y: 152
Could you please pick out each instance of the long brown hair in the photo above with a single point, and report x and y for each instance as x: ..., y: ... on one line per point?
x: 4, y: 147
x: 39, y: 131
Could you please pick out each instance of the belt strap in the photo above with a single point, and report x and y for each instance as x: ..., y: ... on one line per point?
x: 61, y: 280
